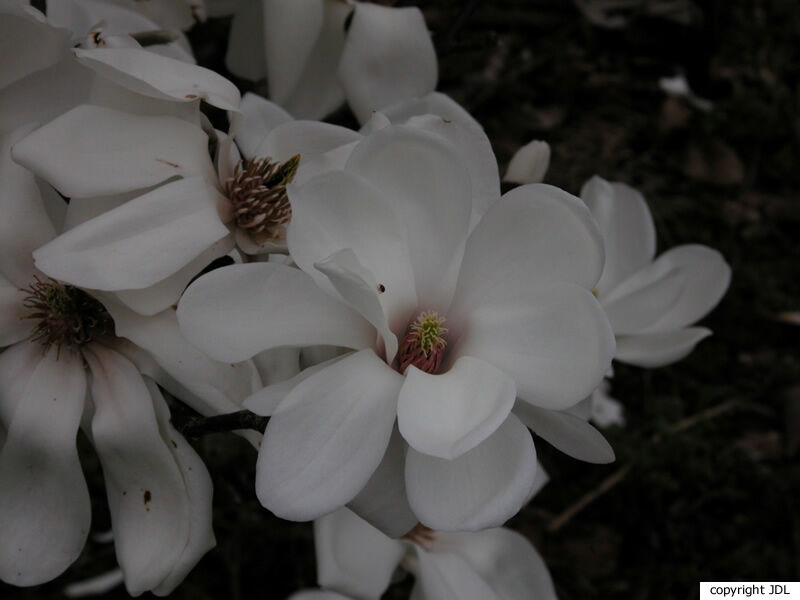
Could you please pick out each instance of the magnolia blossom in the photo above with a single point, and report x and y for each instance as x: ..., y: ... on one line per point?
x: 317, y: 53
x: 47, y: 76
x: 158, y: 23
x: 119, y: 190
x: 64, y: 368
x: 355, y: 560
x: 447, y: 328
x: 651, y: 304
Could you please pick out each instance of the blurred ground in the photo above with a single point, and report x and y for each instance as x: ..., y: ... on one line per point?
x: 713, y: 498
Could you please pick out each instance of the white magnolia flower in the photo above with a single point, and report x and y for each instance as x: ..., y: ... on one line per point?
x: 265, y: 130
x: 45, y: 76
x: 356, y: 561
x: 448, y: 327
x: 148, y: 271
x: 106, y: 22
x: 651, y: 304
x: 63, y: 368
x: 130, y: 234
x: 317, y: 53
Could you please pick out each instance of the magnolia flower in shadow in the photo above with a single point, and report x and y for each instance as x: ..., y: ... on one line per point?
x: 447, y: 328
x: 64, y: 369
x: 58, y: 63
x: 149, y: 209
x: 651, y: 302
x: 318, y: 53
x: 356, y: 561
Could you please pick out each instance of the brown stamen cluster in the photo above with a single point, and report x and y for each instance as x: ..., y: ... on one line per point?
x: 257, y: 191
x: 65, y: 315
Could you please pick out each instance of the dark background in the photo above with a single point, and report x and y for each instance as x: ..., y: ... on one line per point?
x: 706, y: 482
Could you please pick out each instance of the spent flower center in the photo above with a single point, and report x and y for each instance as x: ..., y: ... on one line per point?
x: 65, y: 315
x: 424, y: 343
x: 257, y: 192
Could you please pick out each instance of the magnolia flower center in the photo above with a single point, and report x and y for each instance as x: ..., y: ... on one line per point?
x: 424, y: 344
x: 65, y: 315
x: 422, y: 536
x: 257, y: 192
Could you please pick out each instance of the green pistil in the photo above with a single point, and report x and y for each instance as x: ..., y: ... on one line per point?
x: 429, y: 331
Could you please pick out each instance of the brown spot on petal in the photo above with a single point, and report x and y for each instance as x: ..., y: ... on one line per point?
x: 191, y: 96
x: 167, y: 162
x: 174, y: 445
x: 147, y: 496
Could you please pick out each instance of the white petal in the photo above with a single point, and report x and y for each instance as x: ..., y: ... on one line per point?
x: 165, y: 293
x: 338, y: 211
x: 383, y: 502
x: 659, y: 348
x: 707, y: 277
x: 426, y: 184
x: 449, y: 414
x: 533, y: 236
x: 317, y: 91
x: 290, y: 32
x: 25, y: 225
x: 327, y: 437
x: 54, y: 204
x: 482, y: 488
x: 529, y: 164
x: 13, y: 324
x: 237, y: 311
x: 245, y: 56
x: 447, y: 576
x: 147, y: 496
x: 139, y: 243
x: 44, y: 502
x: 466, y: 135
x: 650, y: 296
x: 312, y: 140
x: 277, y: 365
x: 45, y: 94
x: 109, y: 94
x: 17, y: 365
x: 556, y: 343
x: 353, y: 557
x: 113, y: 152
x: 80, y: 16
x: 504, y: 559
x: 627, y: 228
x: 360, y: 290
x: 258, y: 117
x: 34, y: 45
x: 388, y: 56
x: 570, y: 434
x: 95, y: 586
x: 541, y: 480
x: 266, y: 400
x: 199, y: 490
x: 162, y: 77
x: 219, y: 387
